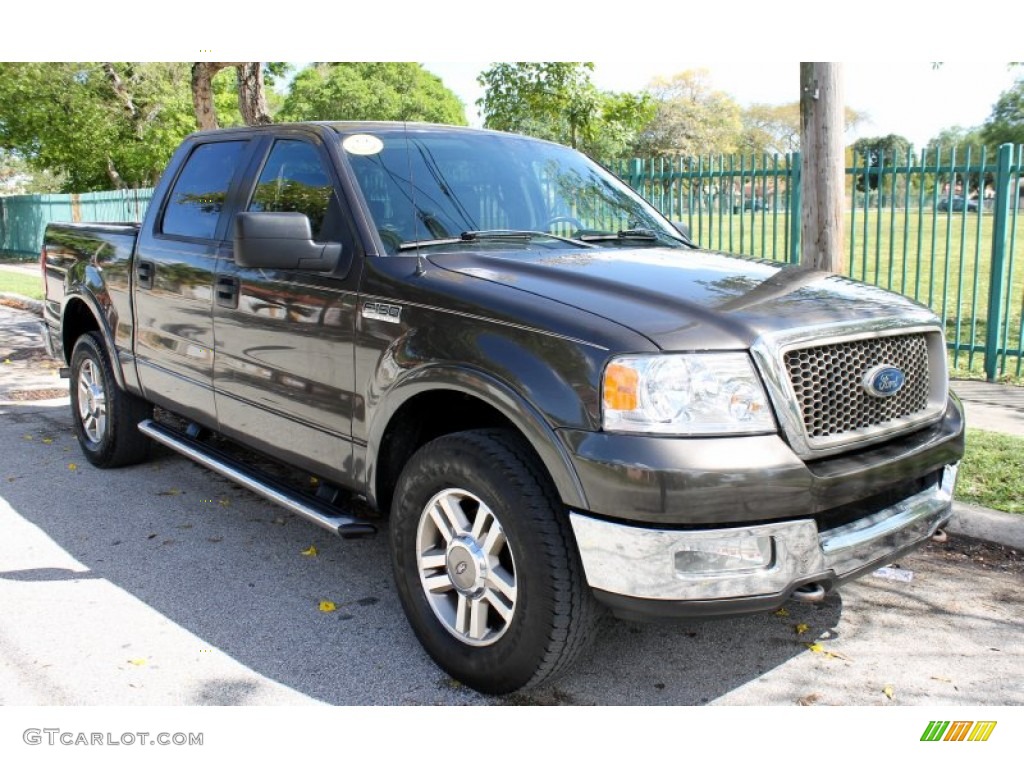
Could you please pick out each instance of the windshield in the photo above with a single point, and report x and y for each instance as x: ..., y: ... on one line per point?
x: 438, y: 189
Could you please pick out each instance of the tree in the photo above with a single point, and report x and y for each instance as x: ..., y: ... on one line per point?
x: 691, y: 118
x: 371, y: 91
x: 1006, y: 123
x: 877, y: 153
x: 775, y: 128
x: 17, y: 177
x: 97, y: 124
x: 557, y: 101
x: 252, y: 100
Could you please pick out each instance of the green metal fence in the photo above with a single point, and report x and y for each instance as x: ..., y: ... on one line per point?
x: 24, y: 217
x: 940, y: 227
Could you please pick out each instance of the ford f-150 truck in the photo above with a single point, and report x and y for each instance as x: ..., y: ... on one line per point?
x: 558, y: 402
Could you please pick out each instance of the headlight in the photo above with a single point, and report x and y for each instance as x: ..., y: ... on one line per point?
x: 685, y: 394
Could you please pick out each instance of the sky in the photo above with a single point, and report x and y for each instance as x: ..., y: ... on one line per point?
x: 912, y: 99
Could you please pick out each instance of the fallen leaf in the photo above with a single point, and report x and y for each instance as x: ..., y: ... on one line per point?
x: 314, y: 481
x: 137, y: 662
x: 215, y: 539
x: 224, y: 502
x: 28, y: 437
x: 72, y: 467
x: 7, y: 361
x: 802, y: 628
x: 169, y: 492
x: 942, y: 679
x: 327, y: 606
x: 819, y: 648
x: 47, y: 440
x: 278, y: 521
x: 888, y: 691
x: 782, y: 612
x: 311, y: 552
x: 809, y: 699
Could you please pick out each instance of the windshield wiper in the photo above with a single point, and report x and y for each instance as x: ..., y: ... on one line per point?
x: 473, y: 236
x: 625, y: 234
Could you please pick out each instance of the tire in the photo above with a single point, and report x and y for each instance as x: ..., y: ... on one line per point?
x: 105, y: 417
x: 486, y: 563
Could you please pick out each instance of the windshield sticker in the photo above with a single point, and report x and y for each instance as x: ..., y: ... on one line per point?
x: 362, y: 144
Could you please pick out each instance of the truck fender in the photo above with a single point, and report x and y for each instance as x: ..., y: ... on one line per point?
x: 80, y: 293
x: 526, y: 418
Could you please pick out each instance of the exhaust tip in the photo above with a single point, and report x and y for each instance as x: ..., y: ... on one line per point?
x: 808, y: 593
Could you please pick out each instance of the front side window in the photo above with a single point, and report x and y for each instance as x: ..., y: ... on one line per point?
x: 294, y: 180
x: 197, y: 199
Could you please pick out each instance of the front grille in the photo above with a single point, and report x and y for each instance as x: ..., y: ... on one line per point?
x: 828, y: 383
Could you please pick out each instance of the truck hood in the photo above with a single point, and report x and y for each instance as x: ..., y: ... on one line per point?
x: 689, y: 300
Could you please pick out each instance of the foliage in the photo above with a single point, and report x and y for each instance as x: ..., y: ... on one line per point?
x: 371, y: 91
x: 1006, y: 123
x: 691, y: 118
x: 775, y: 128
x: 17, y: 177
x: 99, y: 125
x: 875, y: 154
x: 557, y: 101
x: 956, y: 137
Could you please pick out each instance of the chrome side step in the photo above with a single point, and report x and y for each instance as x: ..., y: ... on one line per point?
x: 301, y: 504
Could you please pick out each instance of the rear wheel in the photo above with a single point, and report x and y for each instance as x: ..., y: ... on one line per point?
x: 106, y: 417
x: 486, y: 564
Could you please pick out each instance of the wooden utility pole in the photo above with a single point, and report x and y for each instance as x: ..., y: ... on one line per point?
x: 821, y: 144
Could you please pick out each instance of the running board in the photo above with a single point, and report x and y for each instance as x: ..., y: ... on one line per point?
x: 302, y: 505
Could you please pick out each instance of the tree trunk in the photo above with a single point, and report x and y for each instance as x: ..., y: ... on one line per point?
x: 115, y: 177
x: 252, y: 101
x: 202, y: 91
x: 821, y: 133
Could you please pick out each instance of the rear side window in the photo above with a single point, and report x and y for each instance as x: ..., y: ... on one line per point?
x: 295, y: 180
x: 198, y: 196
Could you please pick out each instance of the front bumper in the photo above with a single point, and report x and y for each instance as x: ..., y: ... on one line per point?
x: 634, y: 570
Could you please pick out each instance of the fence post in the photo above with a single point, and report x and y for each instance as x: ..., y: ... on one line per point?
x: 795, y: 215
x: 1000, y: 218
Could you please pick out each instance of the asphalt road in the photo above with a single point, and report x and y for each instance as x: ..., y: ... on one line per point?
x: 166, y: 584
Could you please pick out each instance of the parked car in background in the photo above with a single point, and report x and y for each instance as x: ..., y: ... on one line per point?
x: 750, y: 204
x: 957, y: 203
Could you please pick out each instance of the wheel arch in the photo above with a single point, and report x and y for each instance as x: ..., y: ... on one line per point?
x: 439, y: 400
x: 82, y: 314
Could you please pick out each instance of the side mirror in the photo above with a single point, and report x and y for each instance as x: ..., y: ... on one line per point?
x: 281, y: 240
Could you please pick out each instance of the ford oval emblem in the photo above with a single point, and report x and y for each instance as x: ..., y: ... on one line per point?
x: 884, y: 381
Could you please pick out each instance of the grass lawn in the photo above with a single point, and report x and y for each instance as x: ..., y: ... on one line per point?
x: 24, y: 285
x: 992, y: 472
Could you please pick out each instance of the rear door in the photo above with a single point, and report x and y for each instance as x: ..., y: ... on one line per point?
x: 174, y: 276
x: 283, y: 374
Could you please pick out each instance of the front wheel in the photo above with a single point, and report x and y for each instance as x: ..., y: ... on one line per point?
x: 106, y: 417
x: 486, y: 564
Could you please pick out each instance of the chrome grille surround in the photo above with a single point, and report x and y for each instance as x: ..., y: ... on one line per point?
x: 813, y: 377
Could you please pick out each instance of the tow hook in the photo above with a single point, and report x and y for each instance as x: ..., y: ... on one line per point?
x: 940, y: 536
x: 809, y: 593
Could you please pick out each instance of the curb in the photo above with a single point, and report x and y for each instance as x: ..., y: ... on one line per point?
x: 18, y: 301
x: 988, y: 525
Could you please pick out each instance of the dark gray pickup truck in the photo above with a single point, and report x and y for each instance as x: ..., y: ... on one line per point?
x: 562, y: 405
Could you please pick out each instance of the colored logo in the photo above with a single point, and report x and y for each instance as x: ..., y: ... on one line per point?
x: 958, y: 730
x: 884, y: 381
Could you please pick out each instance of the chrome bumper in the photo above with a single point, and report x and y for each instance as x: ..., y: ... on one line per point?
x: 641, y: 563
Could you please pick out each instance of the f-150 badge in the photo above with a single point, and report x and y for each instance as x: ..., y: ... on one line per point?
x: 378, y: 310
